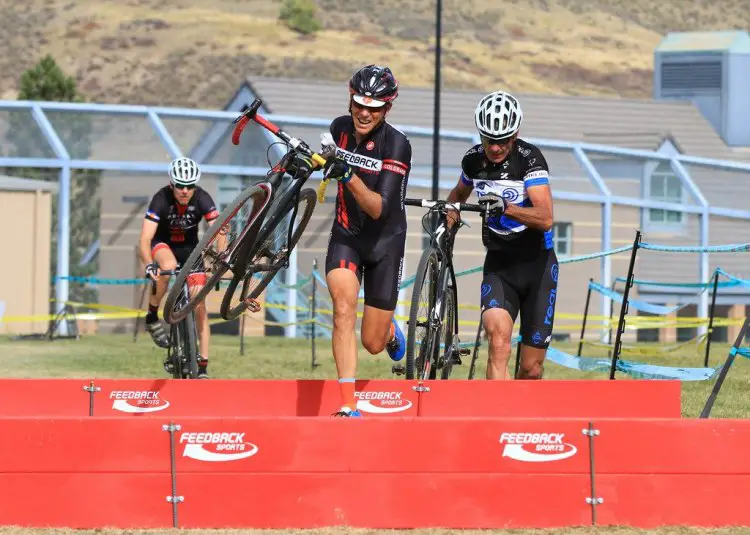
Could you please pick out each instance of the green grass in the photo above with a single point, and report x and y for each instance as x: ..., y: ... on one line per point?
x: 117, y: 356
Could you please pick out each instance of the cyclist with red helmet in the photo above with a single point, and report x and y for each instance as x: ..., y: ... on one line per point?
x: 371, y: 161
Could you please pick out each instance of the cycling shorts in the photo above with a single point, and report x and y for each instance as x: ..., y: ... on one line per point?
x: 181, y: 254
x: 381, y: 274
x: 526, y: 286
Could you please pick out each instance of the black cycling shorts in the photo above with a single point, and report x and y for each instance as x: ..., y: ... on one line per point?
x: 181, y: 253
x: 526, y: 286
x: 382, y: 274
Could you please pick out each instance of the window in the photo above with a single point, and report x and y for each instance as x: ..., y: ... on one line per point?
x: 562, y: 238
x: 665, y: 186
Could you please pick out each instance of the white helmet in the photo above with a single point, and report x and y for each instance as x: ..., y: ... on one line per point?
x: 184, y: 172
x: 498, y: 116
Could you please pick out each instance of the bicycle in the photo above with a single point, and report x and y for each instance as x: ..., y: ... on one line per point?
x: 435, y: 287
x: 254, y: 226
x: 182, y: 354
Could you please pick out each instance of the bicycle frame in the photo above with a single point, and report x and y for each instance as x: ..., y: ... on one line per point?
x: 183, y: 325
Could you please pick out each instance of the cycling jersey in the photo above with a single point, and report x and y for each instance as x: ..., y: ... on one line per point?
x: 178, y: 224
x: 524, y: 167
x: 383, y: 162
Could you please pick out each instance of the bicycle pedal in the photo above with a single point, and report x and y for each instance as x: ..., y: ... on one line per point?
x: 464, y: 351
x: 398, y: 369
x: 252, y: 305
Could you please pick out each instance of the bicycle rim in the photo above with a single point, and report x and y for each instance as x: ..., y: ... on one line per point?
x: 233, y: 223
x: 272, y: 251
x: 419, y: 336
x: 448, y: 335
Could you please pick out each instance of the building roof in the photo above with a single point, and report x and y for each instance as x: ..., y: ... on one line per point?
x: 10, y: 183
x: 727, y: 41
x: 632, y: 123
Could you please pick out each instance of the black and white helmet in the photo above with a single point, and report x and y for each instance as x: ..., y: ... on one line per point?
x: 184, y: 172
x: 498, y: 116
x: 373, y: 86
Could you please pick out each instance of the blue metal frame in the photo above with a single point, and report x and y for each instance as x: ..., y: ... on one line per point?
x: 421, y: 175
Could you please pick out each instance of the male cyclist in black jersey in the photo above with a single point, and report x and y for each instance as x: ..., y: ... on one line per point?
x: 168, y: 236
x: 371, y: 161
x: 520, y: 268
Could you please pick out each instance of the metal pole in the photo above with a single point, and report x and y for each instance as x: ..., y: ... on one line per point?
x: 312, y: 312
x: 242, y: 335
x: 703, y: 265
x: 291, y: 280
x: 606, y: 265
x: 624, y: 306
x: 611, y: 313
x: 585, y: 315
x: 62, y: 287
x: 724, y: 370
x: 436, y: 111
x: 711, y: 319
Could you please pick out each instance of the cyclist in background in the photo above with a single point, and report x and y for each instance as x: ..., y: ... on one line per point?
x: 168, y: 236
x: 371, y: 161
x: 520, y: 271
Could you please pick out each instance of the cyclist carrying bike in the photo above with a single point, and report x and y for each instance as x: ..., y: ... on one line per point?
x: 520, y: 271
x: 371, y: 161
x: 168, y: 236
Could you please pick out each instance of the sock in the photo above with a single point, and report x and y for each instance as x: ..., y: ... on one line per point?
x: 347, y: 393
x: 202, y: 362
x: 153, y: 313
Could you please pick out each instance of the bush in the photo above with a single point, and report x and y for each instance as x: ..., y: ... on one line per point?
x: 299, y: 15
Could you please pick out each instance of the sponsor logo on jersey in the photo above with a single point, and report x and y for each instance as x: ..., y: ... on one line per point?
x: 358, y: 160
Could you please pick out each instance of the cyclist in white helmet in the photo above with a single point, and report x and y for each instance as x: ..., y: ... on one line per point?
x: 168, y: 236
x: 511, y: 179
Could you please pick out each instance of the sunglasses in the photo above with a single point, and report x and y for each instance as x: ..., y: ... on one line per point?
x: 188, y: 188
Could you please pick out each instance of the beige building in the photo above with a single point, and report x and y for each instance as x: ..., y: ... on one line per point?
x: 25, y: 280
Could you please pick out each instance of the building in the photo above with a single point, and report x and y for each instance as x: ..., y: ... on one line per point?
x: 25, y: 281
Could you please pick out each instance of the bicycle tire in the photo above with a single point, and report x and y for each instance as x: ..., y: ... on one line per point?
x: 258, y: 194
x: 307, y: 201
x: 429, y: 261
x: 174, y: 351
x: 449, y: 326
x: 191, y: 346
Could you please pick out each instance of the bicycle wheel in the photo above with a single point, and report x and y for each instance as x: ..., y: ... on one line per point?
x: 420, y: 338
x: 235, y: 223
x: 191, y: 346
x: 174, y: 353
x: 447, y: 336
x: 270, y: 256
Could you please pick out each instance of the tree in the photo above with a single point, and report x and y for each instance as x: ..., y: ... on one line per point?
x: 47, y: 82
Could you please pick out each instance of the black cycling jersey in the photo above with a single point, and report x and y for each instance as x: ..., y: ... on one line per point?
x: 523, y: 168
x: 383, y: 162
x: 177, y: 224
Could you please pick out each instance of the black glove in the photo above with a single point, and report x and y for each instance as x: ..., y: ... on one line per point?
x: 152, y: 270
x: 299, y: 166
x: 336, y: 168
x: 494, y: 206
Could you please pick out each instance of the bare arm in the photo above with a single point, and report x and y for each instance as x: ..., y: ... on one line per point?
x: 370, y: 201
x: 538, y: 216
x: 459, y: 193
x: 148, y: 230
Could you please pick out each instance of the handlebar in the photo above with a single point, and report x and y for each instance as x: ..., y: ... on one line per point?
x: 444, y: 205
x: 251, y: 114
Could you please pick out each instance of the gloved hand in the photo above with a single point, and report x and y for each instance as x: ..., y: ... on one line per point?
x: 299, y: 166
x: 494, y: 205
x: 336, y: 168
x: 327, y: 146
x: 152, y: 270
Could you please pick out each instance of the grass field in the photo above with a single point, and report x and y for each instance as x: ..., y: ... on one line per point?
x: 100, y: 356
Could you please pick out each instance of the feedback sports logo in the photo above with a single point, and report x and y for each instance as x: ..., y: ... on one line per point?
x: 217, y: 447
x: 536, y: 447
x: 382, y: 402
x: 137, y: 401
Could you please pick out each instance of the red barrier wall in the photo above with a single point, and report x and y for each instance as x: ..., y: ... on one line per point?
x: 377, y: 398
x: 399, y: 472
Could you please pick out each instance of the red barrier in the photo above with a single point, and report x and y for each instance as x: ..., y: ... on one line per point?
x: 553, y: 399
x: 396, y: 472
x: 376, y: 398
